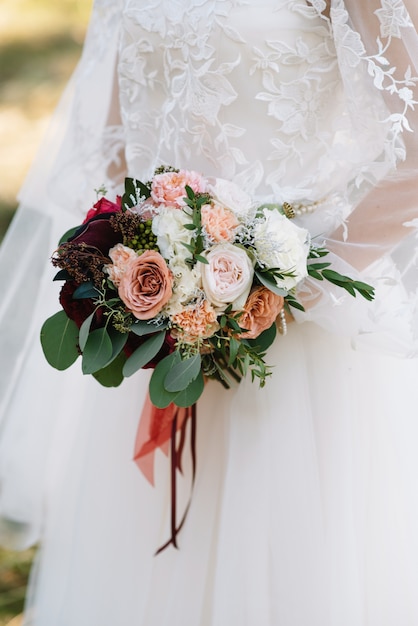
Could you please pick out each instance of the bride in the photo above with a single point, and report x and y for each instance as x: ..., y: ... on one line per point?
x: 305, y: 505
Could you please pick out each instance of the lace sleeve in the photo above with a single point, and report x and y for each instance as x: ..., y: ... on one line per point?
x: 377, y: 47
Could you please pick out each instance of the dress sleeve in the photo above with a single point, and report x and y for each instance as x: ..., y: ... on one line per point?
x: 377, y: 48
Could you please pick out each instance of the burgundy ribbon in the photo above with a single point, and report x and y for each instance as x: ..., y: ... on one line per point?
x: 158, y: 428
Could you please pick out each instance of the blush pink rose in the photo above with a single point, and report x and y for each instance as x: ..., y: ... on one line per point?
x: 228, y: 276
x: 220, y: 223
x: 146, y: 285
x: 260, y: 311
x: 170, y: 188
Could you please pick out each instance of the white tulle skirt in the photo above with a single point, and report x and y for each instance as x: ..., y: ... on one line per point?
x: 304, y: 510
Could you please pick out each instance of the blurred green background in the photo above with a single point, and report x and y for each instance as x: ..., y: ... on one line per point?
x: 40, y: 44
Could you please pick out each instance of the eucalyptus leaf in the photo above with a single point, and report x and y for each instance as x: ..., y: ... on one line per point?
x: 59, y: 339
x: 159, y: 396
x: 118, y: 340
x: 183, y: 373
x: 192, y: 393
x: 97, y: 351
x: 143, y: 327
x: 84, y: 331
x: 144, y: 354
x: 112, y: 374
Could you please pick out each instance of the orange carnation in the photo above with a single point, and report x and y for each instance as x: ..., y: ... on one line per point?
x: 196, y: 321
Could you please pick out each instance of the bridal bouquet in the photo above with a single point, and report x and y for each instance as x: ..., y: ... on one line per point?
x: 183, y: 274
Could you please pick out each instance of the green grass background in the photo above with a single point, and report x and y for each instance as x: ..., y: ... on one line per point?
x: 40, y: 43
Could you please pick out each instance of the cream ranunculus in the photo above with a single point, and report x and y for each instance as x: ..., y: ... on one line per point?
x: 232, y: 197
x: 168, y: 227
x: 279, y: 243
x: 228, y: 276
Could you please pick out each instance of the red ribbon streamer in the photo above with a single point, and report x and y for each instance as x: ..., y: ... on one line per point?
x: 158, y: 428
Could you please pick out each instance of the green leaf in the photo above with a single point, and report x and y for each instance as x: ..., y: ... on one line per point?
x: 97, y: 351
x: 160, y: 397
x: 202, y: 259
x: 84, y: 331
x: 144, y: 354
x: 189, y: 247
x: 85, y: 290
x: 190, y: 226
x: 295, y: 304
x: 142, y: 327
x: 313, y: 274
x: 62, y: 275
x: 264, y: 341
x: 112, y: 374
x: 192, y: 393
x: 59, y: 339
x: 190, y: 193
x: 232, y: 323
x: 118, y: 340
x: 335, y: 277
x: 234, y: 346
x: 318, y: 266
x: 270, y: 284
x: 68, y: 234
x: 182, y: 374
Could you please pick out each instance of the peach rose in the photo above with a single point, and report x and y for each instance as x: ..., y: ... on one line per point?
x: 220, y: 223
x: 170, y: 188
x: 260, y: 311
x: 146, y: 285
x: 120, y: 255
x: 195, y: 321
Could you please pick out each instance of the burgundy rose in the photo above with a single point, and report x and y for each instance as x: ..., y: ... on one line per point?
x: 98, y: 233
x: 78, y: 309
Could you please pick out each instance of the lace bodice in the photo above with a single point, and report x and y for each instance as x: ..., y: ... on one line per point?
x: 241, y: 90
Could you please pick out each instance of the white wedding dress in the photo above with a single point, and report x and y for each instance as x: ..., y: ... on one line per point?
x: 305, y: 506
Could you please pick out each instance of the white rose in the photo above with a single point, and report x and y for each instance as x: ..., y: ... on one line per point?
x: 279, y: 243
x: 228, y: 276
x: 231, y: 197
x: 187, y: 286
x: 168, y: 227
